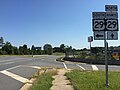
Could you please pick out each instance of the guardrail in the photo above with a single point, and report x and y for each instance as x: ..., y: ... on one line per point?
x: 91, y: 61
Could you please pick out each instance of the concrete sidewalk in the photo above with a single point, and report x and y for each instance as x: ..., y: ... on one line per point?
x: 60, y: 81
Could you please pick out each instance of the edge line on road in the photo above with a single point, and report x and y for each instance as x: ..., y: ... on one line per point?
x: 80, y: 67
x: 13, y: 67
x: 65, y: 66
x: 35, y: 67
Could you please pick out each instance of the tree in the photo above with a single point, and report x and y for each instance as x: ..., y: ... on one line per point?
x: 56, y: 49
x: 48, y: 49
x: 25, y: 50
x: 21, y: 50
x: 62, y: 47
x: 8, y: 48
x: 16, y: 51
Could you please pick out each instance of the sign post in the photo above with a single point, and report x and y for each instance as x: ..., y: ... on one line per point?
x: 90, y: 39
x: 105, y: 24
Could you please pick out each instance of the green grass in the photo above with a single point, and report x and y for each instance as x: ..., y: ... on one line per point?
x: 58, y: 54
x: 44, y: 81
x: 93, y: 80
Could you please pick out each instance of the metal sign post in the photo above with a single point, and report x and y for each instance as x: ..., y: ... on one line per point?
x: 106, y: 60
x: 90, y: 39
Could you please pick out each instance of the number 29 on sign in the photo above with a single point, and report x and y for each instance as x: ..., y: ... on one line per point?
x: 98, y: 24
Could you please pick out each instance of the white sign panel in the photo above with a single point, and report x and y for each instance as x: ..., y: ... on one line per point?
x: 112, y: 35
x: 98, y: 25
x: 98, y: 35
x: 111, y: 15
x: 111, y: 8
x: 112, y: 24
x: 98, y: 15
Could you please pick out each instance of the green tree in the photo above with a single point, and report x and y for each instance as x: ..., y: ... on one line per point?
x: 8, y: 48
x: 62, y: 48
x: 16, y: 51
x: 25, y: 50
x: 21, y: 50
x: 48, y: 49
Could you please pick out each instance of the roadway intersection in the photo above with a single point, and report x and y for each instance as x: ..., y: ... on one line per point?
x: 15, y: 71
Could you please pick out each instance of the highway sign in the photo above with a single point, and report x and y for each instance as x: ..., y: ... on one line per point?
x: 90, y: 39
x: 98, y: 35
x: 111, y: 24
x: 98, y: 15
x: 108, y: 51
x: 111, y: 15
x: 98, y: 25
x: 112, y: 35
x: 111, y: 8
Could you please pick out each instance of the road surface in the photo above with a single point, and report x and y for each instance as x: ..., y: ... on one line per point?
x: 15, y: 71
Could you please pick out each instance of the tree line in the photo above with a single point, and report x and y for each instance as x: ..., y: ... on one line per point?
x: 8, y: 49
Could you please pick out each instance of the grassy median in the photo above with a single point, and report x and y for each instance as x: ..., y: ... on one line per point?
x: 93, y: 80
x: 44, y: 81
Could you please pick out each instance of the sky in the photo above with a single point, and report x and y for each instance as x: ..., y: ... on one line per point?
x: 55, y: 22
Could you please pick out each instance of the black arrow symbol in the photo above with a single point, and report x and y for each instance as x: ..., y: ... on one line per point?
x: 99, y: 35
x: 112, y: 35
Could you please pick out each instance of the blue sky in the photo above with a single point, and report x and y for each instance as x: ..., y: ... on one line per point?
x: 37, y: 22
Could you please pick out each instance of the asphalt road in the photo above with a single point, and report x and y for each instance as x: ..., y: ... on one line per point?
x: 16, y: 71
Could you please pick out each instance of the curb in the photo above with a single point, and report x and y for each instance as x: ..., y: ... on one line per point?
x: 60, y: 59
x: 28, y: 84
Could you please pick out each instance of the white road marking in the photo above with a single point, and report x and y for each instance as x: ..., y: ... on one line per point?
x: 13, y: 67
x: 36, y: 67
x: 8, y: 63
x: 80, y: 67
x: 65, y: 66
x: 95, y: 67
x: 14, y: 76
x: 6, y: 60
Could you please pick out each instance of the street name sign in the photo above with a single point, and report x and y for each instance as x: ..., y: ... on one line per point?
x: 98, y: 15
x: 112, y: 35
x: 111, y: 8
x: 98, y: 35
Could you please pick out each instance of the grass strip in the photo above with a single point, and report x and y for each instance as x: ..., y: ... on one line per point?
x: 93, y: 80
x: 44, y: 81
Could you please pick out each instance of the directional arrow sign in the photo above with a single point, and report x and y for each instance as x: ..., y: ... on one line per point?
x: 112, y: 35
x: 98, y: 35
